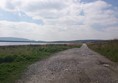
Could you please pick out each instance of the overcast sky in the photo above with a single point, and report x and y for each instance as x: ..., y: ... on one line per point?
x: 59, y: 19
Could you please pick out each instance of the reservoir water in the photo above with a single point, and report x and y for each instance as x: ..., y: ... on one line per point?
x: 20, y: 43
x: 24, y: 43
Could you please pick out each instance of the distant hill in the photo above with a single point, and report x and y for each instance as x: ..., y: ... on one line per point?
x: 13, y: 39
x: 77, y: 41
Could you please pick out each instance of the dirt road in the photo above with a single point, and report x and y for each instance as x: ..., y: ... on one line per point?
x: 78, y: 65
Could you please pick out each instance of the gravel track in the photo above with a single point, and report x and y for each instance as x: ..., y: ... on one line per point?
x: 78, y: 65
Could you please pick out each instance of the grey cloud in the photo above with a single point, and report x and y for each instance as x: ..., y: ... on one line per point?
x: 32, y: 7
x: 9, y: 5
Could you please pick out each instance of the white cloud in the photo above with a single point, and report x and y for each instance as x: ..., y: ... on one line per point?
x: 99, y: 12
x: 67, y: 19
x: 38, y: 32
x: 2, y: 3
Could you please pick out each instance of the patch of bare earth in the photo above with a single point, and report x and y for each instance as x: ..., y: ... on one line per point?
x: 78, y: 65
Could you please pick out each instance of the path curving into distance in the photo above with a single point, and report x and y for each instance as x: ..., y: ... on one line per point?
x: 77, y: 65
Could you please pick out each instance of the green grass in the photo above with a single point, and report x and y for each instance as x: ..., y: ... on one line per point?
x: 107, y: 48
x: 15, y: 59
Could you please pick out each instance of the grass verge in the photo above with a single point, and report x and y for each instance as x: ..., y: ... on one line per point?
x: 107, y: 48
x: 15, y: 59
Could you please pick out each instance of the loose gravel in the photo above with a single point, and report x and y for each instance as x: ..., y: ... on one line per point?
x: 78, y: 65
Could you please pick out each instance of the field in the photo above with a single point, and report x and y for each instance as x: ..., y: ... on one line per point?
x: 107, y: 48
x: 15, y: 59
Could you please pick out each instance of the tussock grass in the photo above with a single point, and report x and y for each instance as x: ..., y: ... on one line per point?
x: 15, y: 59
x: 107, y: 48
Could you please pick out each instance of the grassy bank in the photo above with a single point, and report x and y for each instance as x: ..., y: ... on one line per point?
x: 15, y: 59
x: 107, y: 48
